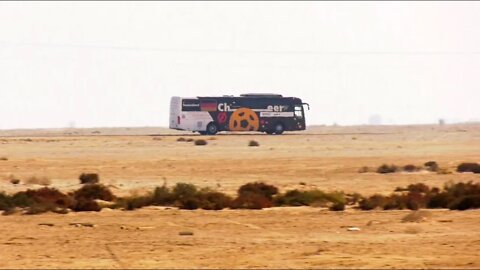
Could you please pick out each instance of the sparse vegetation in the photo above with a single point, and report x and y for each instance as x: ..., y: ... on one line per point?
x: 3, y: 158
x: 255, y: 195
x: 431, y: 166
x: 468, y: 167
x: 200, y: 142
x: 253, y: 143
x: 93, y: 192
x: 181, y: 139
x: 387, y: 169
x: 89, y: 178
x: 410, y: 168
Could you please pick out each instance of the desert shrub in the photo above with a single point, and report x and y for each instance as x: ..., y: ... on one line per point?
x: 162, y: 196
x: 5, y: 201
x: 465, y: 202
x: 38, y: 208
x: 3, y: 158
x: 89, y: 178
x: 181, y: 139
x: 258, y: 188
x: 431, y: 166
x: 83, y: 204
x: 310, y: 197
x: 189, y: 140
x: 200, y: 142
x: 337, y: 207
x: 15, y: 181
x: 416, y: 200
x: 184, y: 190
x: 410, y: 168
x: 35, y: 180
x: 387, y: 168
x: 468, y: 167
x: 462, y: 189
x: 251, y: 201
x: 253, y: 143
x: 373, y: 202
x: 395, y: 202
x: 214, y: 200
x: 94, y: 192
x: 44, y: 196
x: 440, y: 200
x: 418, y: 187
x: 353, y: 198
x: 134, y: 202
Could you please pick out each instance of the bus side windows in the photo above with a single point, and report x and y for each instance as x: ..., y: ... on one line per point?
x: 190, y: 105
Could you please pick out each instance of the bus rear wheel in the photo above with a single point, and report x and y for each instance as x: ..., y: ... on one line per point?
x: 279, y: 129
x: 212, y: 129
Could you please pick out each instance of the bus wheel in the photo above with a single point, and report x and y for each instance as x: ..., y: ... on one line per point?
x: 212, y: 129
x: 279, y: 129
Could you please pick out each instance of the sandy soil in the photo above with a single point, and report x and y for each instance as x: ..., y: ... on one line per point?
x: 136, y: 160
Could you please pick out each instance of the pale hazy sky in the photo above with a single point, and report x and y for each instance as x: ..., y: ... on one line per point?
x: 118, y: 63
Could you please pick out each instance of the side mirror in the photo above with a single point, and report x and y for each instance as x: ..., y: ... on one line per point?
x: 306, y: 104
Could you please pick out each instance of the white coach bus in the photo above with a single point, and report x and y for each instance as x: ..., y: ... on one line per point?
x: 269, y: 113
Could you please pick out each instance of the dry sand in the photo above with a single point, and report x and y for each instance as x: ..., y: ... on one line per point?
x: 134, y: 161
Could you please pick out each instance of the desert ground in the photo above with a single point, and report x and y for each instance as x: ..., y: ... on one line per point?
x: 135, y: 160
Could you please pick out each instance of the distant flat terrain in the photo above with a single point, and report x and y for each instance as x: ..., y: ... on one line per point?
x: 135, y: 160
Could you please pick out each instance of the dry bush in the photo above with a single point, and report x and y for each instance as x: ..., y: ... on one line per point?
x: 15, y: 181
x: 201, y: 142
x: 466, y: 202
x: 253, y: 143
x: 189, y: 140
x: 35, y: 180
x: 410, y: 168
x: 214, y: 200
x: 89, y: 178
x: 373, y: 202
x: 181, y: 139
x: 353, y: 198
x: 94, y: 192
x: 184, y: 190
x: 3, y: 158
x: 387, y: 169
x: 134, y: 202
x: 251, y: 201
x: 431, y: 166
x: 418, y: 187
x: 337, y: 207
x: 83, y: 204
x: 469, y: 167
x: 162, y: 196
x: 311, y: 197
x: 260, y: 188
x: 48, y: 196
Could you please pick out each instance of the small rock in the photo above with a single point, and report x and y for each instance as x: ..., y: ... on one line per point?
x: 353, y: 229
x: 185, y: 233
x: 46, y: 224
x: 82, y: 224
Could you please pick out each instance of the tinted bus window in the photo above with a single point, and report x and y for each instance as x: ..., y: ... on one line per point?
x: 190, y: 105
